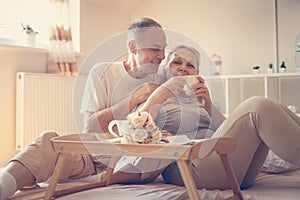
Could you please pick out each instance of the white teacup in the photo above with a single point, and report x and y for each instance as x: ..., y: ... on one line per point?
x: 190, y: 80
x: 122, y: 125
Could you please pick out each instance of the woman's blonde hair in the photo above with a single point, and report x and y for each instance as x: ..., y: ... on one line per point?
x: 191, y: 49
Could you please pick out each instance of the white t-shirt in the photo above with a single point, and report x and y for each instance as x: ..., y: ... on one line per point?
x: 108, y: 83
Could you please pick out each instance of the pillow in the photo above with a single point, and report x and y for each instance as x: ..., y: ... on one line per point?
x: 274, y: 164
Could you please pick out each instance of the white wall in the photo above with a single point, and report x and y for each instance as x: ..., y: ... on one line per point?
x: 242, y: 32
x: 98, y: 24
x: 289, y: 28
x: 12, y: 61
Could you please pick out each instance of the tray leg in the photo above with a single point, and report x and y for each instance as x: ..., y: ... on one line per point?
x: 188, y: 179
x: 232, y: 178
x: 55, y: 177
x: 110, y: 169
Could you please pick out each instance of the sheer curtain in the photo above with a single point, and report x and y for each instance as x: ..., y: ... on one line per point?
x: 62, y: 58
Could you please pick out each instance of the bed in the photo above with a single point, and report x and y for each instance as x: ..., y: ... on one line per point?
x: 267, y: 187
x: 277, y: 180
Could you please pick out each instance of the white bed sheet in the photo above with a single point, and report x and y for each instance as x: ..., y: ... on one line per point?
x: 284, y: 186
x: 267, y: 187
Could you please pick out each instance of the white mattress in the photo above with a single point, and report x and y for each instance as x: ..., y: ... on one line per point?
x: 267, y: 187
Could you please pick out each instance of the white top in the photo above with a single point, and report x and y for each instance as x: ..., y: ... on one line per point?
x: 109, y: 83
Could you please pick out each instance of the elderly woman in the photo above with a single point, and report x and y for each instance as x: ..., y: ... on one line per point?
x: 176, y: 106
x: 258, y: 124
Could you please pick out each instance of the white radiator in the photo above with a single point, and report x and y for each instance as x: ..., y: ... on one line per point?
x: 47, y: 102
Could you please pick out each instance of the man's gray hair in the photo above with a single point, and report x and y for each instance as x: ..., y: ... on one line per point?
x: 140, y: 26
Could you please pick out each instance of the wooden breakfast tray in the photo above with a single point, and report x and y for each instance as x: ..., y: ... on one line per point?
x: 98, y: 143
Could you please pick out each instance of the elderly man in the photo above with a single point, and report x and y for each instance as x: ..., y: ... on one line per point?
x: 112, y: 91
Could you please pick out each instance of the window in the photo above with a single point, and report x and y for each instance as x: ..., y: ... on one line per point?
x: 38, y: 14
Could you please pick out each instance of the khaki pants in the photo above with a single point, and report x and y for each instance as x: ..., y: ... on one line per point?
x: 258, y: 124
x: 39, y: 158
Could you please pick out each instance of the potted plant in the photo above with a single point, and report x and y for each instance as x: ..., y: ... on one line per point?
x: 270, y: 68
x: 282, y: 68
x: 30, y: 33
x: 256, y: 69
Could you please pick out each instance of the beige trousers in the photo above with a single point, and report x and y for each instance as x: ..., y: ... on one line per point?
x: 40, y: 159
x: 258, y: 124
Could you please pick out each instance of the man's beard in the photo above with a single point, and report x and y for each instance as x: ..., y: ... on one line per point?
x: 151, y: 68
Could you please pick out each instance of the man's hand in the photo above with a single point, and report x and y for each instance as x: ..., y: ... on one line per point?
x: 141, y: 94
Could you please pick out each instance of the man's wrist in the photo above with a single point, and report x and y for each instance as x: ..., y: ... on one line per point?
x: 132, y: 103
